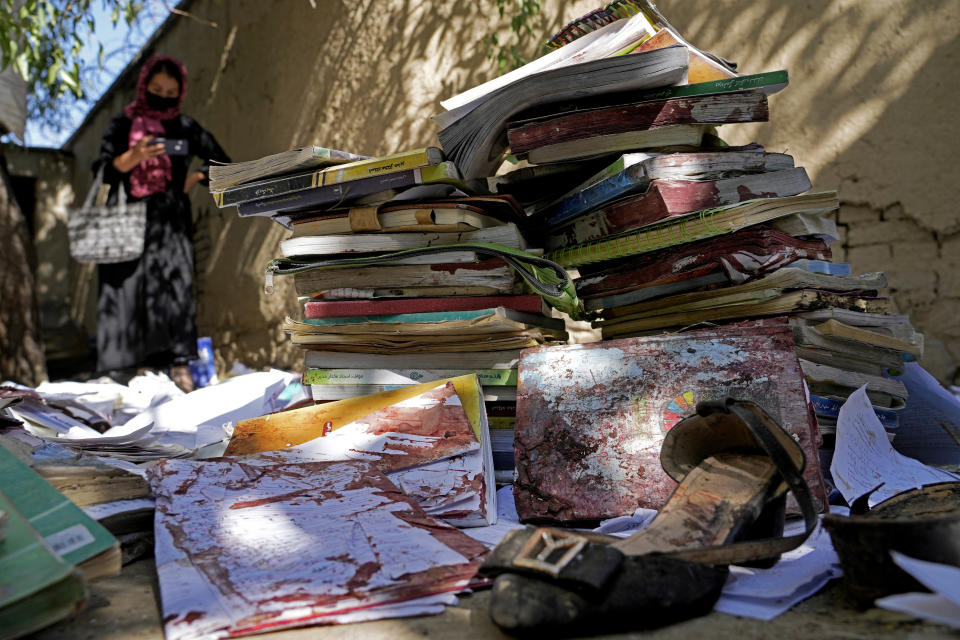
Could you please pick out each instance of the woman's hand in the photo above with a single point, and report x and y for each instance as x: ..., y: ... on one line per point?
x: 192, y: 179
x: 138, y: 153
x: 145, y: 149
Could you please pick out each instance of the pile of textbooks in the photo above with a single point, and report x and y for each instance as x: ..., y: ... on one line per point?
x: 669, y: 228
x: 403, y: 273
x: 621, y: 193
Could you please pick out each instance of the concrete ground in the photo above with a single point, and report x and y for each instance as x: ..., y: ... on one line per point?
x: 127, y: 607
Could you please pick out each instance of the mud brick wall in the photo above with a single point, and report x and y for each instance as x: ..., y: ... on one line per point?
x: 870, y: 111
x: 923, y: 269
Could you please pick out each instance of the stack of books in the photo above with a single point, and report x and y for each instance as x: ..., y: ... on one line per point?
x: 431, y: 263
x: 397, y: 264
x: 666, y: 227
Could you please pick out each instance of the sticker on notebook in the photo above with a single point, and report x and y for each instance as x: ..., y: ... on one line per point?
x: 70, y: 539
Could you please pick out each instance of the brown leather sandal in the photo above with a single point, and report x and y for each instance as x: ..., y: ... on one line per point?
x: 734, y: 464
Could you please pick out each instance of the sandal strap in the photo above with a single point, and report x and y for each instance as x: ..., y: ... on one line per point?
x: 573, y: 559
x: 739, y: 552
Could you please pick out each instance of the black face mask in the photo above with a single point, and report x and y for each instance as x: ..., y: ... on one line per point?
x: 159, y: 103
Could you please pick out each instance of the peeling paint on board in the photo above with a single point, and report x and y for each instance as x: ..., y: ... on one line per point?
x: 591, y: 417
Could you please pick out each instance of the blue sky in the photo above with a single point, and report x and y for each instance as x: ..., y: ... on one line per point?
x: 120, y: 44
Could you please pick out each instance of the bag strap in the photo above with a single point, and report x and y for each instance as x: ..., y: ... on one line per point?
x: 95, y: 187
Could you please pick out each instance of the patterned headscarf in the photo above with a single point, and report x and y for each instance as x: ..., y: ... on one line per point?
x: 151, y: 176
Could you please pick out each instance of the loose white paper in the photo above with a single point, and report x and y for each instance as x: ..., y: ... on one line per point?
x: 926, y: 606
x: 507, y: 520
x: 939, y: 578
x: 930, y: 423
x: 180, y: 420
x: 942, y: 606
x: 864, y: 458
x: 764, y: 594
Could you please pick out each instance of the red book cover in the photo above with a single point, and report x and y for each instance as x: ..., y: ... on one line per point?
x: 722, y: 108
x: 591, y: 417
x: 749, y: 252
x: 668, y: 198
x: 346, y: 308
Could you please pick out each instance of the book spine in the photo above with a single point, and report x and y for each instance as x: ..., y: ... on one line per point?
x: 502, y: 422
x: 490, y: 273
x: 667, y: 198
x: 380, y: 166
x: 331, y: 194
x: 265, y: 189
x: 716, y: 109
x: 344, y: 308
x: 608, y: 172
x: 658, y: 236
x: 621, y: 184
x: 443, y: 172
x: 830, y: 408
x: 487, y: 377
x: 440, y: 316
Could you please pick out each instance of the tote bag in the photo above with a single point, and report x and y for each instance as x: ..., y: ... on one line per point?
x: 102, y: 233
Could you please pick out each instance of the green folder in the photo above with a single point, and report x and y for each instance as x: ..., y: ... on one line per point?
x: 37, y: 587
x: 71, y: 533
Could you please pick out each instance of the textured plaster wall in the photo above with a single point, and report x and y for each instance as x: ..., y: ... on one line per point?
x: 360, y: 76
x: 21, y: 345
x: 870, y: 110
x: 61, y: 283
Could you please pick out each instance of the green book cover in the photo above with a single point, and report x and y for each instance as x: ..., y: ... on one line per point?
x: 431, y: 316
x: 37, y: 587
x: 71, y: 533
x: 768, y: 82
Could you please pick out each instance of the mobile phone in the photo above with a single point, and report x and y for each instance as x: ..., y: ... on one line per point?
x: 173, y: 147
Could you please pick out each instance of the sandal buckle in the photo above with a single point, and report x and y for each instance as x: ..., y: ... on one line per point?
x: 536, y: 551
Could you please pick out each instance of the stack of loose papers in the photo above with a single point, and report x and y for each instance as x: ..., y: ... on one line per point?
x: 246, y: 549
x: 174, y: 427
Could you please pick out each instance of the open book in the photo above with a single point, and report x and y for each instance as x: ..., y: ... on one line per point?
x: 477, y: 140
x: 224, y: 176
x: 432, y: 440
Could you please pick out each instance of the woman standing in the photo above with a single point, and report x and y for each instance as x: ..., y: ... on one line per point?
x: 146, y: 310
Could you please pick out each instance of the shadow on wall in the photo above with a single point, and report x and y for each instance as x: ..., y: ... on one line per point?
x: 867, y: 111
x: 364, y: 80
x: 21, y: 346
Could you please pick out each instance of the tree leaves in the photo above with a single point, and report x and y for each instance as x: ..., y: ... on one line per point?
x: 510, y: 55
x: 43, y: 41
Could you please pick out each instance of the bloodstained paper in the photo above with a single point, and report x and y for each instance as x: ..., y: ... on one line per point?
x: 246, y: 548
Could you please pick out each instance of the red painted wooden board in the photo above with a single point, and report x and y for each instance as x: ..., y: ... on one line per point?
x: 591, y: 417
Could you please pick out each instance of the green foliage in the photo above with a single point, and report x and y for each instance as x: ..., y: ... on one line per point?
x: 513, y: 51
x: 42, y: 40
